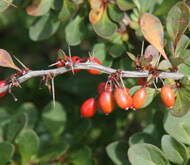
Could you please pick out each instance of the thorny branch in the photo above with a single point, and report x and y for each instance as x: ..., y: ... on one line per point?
x: 90, y: 65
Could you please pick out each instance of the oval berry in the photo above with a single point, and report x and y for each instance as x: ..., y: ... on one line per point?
x: 106, y: 102
x: 123, y: 98
x: 167, y: 96
x: 139, y: 98
x: 76, y: 59
x: 101, y: 87
x: 88, y: 108
x: 92, y: 71
x: 2, y: 84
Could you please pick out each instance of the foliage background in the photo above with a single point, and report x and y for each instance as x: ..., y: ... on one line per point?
x: 62, y: 136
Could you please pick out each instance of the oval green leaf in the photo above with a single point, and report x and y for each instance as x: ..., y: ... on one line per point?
x: 164, y: 65
x: 28, y: 145
x: 75, y: 35
x: 175, y: 151
x: 181, y: 106
x: 125, y: 5
x: 105, y: 27
x: 68, y: 10
x: 54, y: 118
x: 6, y: 152
x: 172, y: 123
x: 115, y: 13
x: 142, y: 137
x: 146, y: 154
x: 178, y: 20
x: 44, y: 27
x: 39, y: 7
x: 117, y: 152
x: 15, y: 126
x: 31, y: 112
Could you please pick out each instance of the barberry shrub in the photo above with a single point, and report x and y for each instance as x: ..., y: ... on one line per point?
x: 136, y: 54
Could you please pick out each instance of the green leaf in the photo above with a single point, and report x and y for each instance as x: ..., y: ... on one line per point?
x: 181, y: 106
x: 117, y: 152
x: 6, y: 152
x: 125, y: 5
x: 142, y: 137
x: 15, y: 126
x: 44, y: 27
x: 131, y: 56
x: 52, y: 150
x: 145, y: 5
x: 115, y: 13
x: 54, y: 118
x: 100, y: 52
x: 176, y: 61
x: 28, y: 145
x: 116, y: 50
x: 68, y: 10
x: 151, y: 93
x: 163, y: 65
x: 185, y: 81
x: 175, y: 151
x: 182, y: 45
x: 4, y: 5
x: 146, y: 154
x: 57, y: 5
x: 105, y: 28
x: 178, y: 20
x: 185, y: 54
x: 185, y: 67
x: 39, y: 8
x: 31, y: 112
x: 172, y: 123
x: 164, y: 8
x: 74, y: 36
x: 81, y: 155
x: 4, y: 118
x: 169, y: 82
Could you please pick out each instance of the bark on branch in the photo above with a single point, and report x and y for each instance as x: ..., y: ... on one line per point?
x: 90, y: 65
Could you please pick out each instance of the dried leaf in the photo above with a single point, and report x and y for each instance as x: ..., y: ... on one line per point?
x: 6, y: 60
x: 95, y: 15
x: 153, y: 31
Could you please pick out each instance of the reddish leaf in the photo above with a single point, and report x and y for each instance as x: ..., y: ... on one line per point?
x: 6, y: 60
x: 152, y: 51
x: 95, y: 15
x: 152, y: 30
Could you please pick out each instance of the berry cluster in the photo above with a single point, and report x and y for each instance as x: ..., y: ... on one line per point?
x: 121, y: 97
x: 75, y: 59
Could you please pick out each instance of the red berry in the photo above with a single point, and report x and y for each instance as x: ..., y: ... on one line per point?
x: 123, y: 98
x: 92, y: 71
x: 2, y: 84
x: 61, y: 62
x: 106, y: 102
x: 139, y: 98
x: 76, y: 59
x: 88, y: 108
x: 167, y: 96
x: 101, y: 87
